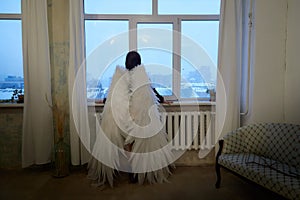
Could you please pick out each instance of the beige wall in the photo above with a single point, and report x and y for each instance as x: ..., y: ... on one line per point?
x: 58, y: 23
x: 292, y: 78
x: 274, y: 94
x: 11, y: 120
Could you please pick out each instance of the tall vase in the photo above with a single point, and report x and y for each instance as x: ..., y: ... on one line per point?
x: 61, y: 160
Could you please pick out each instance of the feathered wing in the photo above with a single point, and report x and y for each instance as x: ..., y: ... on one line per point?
x: 131, y: 115
x: 152, y: 155
x: 108, y: 147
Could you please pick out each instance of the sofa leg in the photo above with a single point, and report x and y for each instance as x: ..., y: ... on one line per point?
x: 221, y: 142
x: 218, y: 183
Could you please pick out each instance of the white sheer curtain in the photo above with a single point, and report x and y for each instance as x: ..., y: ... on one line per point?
x: 79, y: 124
x: 37, y: 140
x: 229, y: 67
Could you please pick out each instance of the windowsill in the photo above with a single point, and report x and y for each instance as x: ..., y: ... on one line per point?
x: 11, y: 105
x: 175, y: 103
x: 190, y: 103
x: 91, y: 104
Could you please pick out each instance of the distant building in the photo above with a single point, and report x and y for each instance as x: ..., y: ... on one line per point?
x: 14, y: 79
x: 15, y: 82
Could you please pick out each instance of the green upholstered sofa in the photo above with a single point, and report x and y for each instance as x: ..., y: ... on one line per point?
x: 265, y: 153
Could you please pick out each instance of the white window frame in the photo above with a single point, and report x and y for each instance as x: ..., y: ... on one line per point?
x: 134, y: 19
x: 12, y: 16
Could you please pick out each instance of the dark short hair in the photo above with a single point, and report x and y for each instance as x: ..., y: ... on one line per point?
x: 133, y: 59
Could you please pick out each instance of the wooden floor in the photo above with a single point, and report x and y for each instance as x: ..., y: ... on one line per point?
x: 186, y: 183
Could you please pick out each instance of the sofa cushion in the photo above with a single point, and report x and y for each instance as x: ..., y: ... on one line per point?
x: 256, y: 138
x: 271, y: 174
x: 283, y: 143
x: 235, y: 142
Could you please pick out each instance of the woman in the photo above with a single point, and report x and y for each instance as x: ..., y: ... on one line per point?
x: 131, y: 137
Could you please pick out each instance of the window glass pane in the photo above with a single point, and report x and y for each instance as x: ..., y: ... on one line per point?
x: 188, y: 7
x: 11, y: 59
x: 199, y: 49
x: 107, y: 44
x: 155, y: 45
x: 118, y: 6
x: 10, y: 6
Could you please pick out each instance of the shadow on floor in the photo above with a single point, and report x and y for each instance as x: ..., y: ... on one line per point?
x: 186, y: 183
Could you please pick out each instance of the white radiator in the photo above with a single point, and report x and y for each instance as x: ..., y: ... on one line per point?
x: 190, y: 130
x: 186, y: 130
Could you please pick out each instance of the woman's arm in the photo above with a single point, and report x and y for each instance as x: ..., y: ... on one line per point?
x: 160, y: 98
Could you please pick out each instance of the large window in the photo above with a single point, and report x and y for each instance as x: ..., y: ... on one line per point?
x: 154, y: 42
x: 11, y: 59
x: 105, y: 48
x: 177, y: 40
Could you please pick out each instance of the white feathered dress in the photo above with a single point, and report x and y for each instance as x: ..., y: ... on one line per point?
x: 131, y: 116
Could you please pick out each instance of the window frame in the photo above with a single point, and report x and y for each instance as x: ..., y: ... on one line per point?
x: 13, y: 17
x: 176, y: 20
